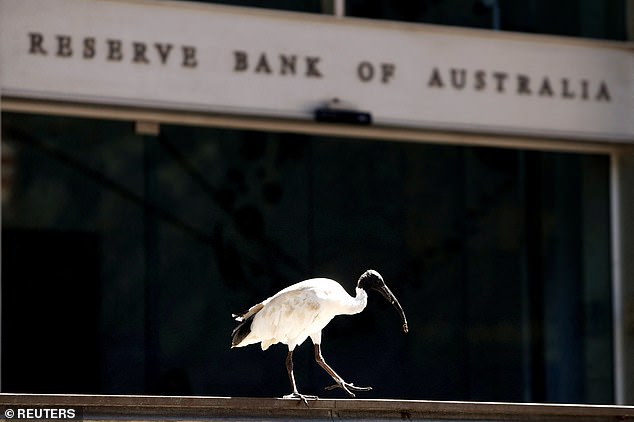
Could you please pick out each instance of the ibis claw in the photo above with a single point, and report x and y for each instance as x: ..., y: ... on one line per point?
x: 304, y: 398
x: 348, y: 388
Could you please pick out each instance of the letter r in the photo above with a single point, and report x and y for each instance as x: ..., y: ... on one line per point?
x: 36, y: 40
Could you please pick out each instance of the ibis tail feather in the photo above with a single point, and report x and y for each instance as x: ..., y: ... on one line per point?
x: 247, y: 314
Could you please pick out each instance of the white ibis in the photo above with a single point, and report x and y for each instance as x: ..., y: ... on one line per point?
x: 303, y: 310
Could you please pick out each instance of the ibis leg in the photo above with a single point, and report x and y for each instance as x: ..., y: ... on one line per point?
x: 295, y: 394
x: 289, y: 369
x: 347, y: 387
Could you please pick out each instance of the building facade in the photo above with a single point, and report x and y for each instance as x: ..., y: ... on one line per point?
x: 168, y: 163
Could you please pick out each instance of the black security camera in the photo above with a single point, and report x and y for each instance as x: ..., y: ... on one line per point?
x: 352, y: 117
x: 335, y: 112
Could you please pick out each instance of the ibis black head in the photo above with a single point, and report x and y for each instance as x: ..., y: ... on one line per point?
x: 372, y: 280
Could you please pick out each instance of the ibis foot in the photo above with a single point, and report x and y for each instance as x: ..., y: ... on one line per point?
x: 348, y: 388
x: 302, y: 397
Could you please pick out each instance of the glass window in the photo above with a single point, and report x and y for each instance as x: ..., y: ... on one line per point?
x: 129, y: 253
x: 579, y: 18
x: 576, y: 18
x: 310, y: 6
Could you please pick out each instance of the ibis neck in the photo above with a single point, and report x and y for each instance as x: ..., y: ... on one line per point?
x: 359, y: 302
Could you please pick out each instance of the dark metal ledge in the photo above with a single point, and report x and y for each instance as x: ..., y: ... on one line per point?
x: 146, y: 408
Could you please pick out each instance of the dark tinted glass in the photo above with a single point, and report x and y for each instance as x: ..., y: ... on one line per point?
x: 578, y: 18
x: 139, y: 248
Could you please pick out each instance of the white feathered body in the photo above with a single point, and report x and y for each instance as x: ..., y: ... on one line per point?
x: 301, y: 311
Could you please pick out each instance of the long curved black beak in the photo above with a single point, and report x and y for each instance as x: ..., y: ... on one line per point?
x: 389, y: 296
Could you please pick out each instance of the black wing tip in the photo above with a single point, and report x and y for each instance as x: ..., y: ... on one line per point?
x: 244, y: 328
x: 240, y: 332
